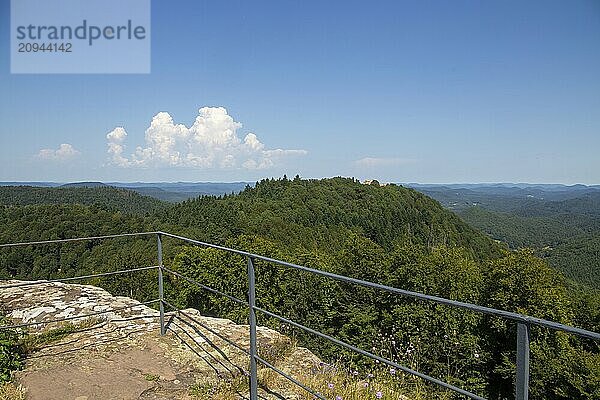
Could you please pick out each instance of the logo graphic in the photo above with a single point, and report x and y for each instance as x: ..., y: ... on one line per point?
x: 75, y: 36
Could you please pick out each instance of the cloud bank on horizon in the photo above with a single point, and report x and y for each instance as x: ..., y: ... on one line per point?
x: 212, y: 142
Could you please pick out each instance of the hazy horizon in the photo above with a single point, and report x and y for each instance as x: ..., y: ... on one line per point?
x: 253, y: 181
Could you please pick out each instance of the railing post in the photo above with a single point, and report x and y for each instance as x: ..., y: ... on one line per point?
x: 161, y: 295
x: 522, y: 381
x: 252, y: 322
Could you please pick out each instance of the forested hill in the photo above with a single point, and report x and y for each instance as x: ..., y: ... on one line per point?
x: 566, y: 233
x: 107, y: 197
x: 319, y: 214
x: 391, y: 235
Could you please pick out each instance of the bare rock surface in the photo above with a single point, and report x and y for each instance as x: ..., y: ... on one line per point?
x: 120, y: 354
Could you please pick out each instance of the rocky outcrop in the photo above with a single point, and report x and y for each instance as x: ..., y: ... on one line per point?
x: 119, y: 354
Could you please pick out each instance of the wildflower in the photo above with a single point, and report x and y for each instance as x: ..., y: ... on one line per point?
x: 393, y: 371
x: 476, y: 355
x: 369, y: 375
x: 355, y: 373
x: 366, y: 384
x: 379, y: 395
x: 330, y: 385
x: 338, y: 397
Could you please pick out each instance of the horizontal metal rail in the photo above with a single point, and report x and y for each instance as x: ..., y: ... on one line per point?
x: 78, y: 316
x: 208, y: 288
x: 406, y: 293
x: 81, y: 239
x: 76, y: 278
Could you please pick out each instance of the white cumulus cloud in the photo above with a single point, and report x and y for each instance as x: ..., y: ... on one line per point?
x: 64, y: 152
x: 211, y: 142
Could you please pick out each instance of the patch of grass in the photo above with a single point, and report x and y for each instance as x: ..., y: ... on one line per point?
x: 277, y: 351
x: 332, y: 383
x: 10, y: 391
x: 33, y: 342
x: 336, y: 381
x: 220, y: 389
x: 11, y: 352
x: 329, y: 382
x: 151, y: 377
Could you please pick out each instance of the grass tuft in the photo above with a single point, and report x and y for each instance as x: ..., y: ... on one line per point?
x: 33, y: 342
x: 151, y: 377
x: 10, y: 391
x: 220, y: 389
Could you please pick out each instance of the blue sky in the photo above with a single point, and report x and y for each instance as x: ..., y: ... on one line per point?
x: 432, y: 91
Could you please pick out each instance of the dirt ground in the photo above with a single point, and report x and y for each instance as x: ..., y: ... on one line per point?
x: 141, y: 370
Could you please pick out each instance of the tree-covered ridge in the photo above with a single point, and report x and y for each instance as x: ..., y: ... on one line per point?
x: 562, y: 223
x: 390, y: 235
x: 568, y: 239
x: 588, y: 204
x: 320, y: 214
x: 111, y: 198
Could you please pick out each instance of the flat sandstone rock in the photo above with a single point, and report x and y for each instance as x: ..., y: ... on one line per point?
x: 120, y: 355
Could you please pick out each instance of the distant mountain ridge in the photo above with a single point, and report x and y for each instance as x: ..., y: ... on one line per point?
x: 172, y: 192
x: 84, y: 184
x: 561, y: 222
x: 502, y: 197
x: 544, y: 186
x: 467, y: 193
x: 115, y: 199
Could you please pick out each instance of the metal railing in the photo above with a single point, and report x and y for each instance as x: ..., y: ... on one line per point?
x: 524, y: 322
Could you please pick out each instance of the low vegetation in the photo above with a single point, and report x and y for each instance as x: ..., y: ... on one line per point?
x: 11, y: 352
x: 32, y: 342
x: 10, y: 391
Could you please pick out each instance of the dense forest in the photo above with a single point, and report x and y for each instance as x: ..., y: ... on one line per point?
x: 565, y: 233
x: 320, y: 214
x: 107, y: 197
x: 561, y: 223
x: 391, y: 235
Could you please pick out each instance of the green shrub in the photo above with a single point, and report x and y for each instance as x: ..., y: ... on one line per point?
x: 11, y: 352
